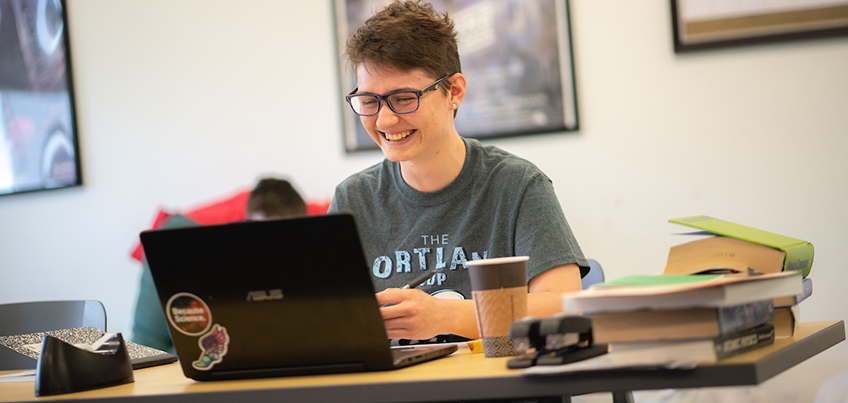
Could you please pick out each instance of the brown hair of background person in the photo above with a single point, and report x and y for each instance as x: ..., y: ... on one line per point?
x: 274, y: 198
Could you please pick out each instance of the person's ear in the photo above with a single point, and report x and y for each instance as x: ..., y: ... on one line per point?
x: 457, y: 90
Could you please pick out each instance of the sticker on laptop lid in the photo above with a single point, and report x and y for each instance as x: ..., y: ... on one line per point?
x: 213, y: 348
x: 189, y: 314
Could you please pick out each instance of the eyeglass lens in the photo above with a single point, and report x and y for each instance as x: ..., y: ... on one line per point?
x: 400, y: 102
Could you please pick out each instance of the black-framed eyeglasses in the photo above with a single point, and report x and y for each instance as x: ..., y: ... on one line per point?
x: 399, y: 102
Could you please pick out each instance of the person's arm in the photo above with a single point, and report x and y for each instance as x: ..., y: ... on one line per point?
x: 546, y: 289
x: 417, y: 315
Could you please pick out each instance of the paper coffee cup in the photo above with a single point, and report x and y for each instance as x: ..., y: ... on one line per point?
x: 499, y: 289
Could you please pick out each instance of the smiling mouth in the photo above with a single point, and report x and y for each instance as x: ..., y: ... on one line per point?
x: 398, y: 136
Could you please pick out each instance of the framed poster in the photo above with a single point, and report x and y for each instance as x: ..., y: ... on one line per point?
x: 515, y: 54
x: 38, y: 135
x: 706, y: 24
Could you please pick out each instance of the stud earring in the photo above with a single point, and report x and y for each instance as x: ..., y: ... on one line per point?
x: 453, y: 106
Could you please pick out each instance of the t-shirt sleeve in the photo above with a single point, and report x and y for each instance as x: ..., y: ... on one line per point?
x: 334, y: 205
x: 337, y: 205
x: 542, y: 231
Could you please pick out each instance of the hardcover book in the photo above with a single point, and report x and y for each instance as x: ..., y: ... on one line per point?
x: 695, y: 352
x: 676, y: 324
x: 638, y: 292
x: 721, y: 254
x: 797, y: 253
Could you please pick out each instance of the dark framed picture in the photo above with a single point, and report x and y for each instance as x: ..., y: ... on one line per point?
x: 699, y: 24
x: 516, y: 56
x: 38, y: 134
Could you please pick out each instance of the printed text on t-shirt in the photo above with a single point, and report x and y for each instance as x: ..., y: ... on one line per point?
x: 384, y: 266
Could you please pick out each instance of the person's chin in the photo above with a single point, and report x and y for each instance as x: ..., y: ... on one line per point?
x: 395, y: 154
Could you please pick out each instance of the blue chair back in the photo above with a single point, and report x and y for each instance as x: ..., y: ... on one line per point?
x: 595, y: 275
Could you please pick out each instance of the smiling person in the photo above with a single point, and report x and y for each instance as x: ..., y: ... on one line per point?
x: 438, y: 200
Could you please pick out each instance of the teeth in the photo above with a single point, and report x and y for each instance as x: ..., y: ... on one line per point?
x: 398, y: 136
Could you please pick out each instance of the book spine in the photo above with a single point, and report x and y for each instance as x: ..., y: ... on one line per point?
x: 799, y: 257
x: 743, y: 341
x: 745, y: 316
x: 786, y: 320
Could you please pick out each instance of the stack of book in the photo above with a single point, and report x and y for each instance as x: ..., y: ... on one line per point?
x: 732, y: 292
x: 736, y: 249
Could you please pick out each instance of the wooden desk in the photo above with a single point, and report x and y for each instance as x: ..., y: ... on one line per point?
x: 462, y: 376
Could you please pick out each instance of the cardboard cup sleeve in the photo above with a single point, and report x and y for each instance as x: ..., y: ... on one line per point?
x: 496, y: 309
x: 499, y: 289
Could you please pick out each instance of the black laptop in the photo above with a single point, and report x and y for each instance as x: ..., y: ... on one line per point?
x: 272, y: 298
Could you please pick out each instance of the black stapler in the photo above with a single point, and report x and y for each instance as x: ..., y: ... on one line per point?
x: 555, y: 340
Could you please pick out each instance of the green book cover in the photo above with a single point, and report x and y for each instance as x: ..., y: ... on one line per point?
x: 667, y: 279
x: 799, y: 253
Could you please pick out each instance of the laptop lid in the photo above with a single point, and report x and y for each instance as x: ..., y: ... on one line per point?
x: 269, y: 298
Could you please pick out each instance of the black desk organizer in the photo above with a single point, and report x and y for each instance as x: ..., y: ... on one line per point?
x: 555, y: 340
x: 65, y: 368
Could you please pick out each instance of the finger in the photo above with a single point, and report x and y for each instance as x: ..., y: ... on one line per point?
x: 410, y: 334
x: 402, y: 328
x: 396, y: 324
x: 395, y: 333
x: 389, y: 296
x: 390, y: 312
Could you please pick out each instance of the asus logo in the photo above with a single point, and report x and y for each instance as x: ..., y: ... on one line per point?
x: 263, y: 295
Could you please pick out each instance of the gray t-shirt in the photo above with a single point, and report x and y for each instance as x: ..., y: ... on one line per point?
x: 499, y: 205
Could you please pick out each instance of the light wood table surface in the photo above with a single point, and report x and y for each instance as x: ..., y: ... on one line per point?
x: 462, y: 376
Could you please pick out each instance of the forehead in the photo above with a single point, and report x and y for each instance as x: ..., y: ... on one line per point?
x: 380, y: 79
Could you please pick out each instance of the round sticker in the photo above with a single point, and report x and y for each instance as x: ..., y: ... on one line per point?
x: 188, y: 314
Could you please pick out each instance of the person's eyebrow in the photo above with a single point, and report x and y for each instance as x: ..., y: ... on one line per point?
x: 389, y: 92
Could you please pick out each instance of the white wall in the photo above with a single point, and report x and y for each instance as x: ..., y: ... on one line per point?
x: 183, y: 101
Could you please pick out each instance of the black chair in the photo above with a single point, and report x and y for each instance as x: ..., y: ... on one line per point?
x: 43, y: 316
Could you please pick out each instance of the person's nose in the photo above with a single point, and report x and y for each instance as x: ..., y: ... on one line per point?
x: 386, y: 117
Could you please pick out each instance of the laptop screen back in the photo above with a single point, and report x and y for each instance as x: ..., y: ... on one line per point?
x: 270, y: 298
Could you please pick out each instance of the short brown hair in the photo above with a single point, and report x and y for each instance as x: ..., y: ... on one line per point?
x: 407, y: 35
x: 275, y: 198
